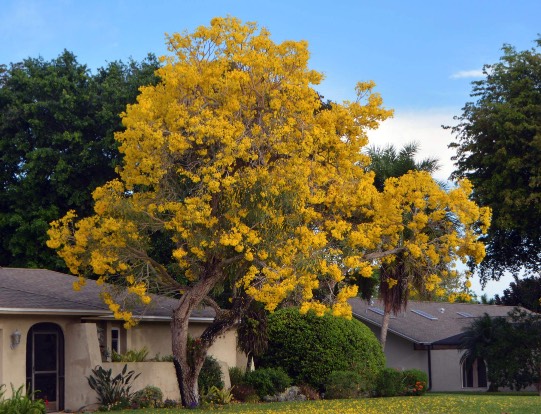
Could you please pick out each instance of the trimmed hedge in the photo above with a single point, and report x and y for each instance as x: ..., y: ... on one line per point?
x: 309, y: 347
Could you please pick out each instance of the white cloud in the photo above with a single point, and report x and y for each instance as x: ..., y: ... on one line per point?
x: 476, y: 73
x: 423, y: 127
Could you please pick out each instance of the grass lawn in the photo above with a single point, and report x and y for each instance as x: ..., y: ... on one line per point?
x: 428, y: 404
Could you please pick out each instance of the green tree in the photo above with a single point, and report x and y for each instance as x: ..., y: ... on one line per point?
x: 522, y: 292
x: 57, y: 125
x: 510, y: 347
x: 498, y: 148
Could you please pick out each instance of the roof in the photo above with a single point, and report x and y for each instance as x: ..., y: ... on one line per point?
x: 39, y: 291
x: 444, y: 328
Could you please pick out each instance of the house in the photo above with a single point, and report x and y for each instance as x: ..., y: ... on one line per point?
x: 51, y: 337
x: 426, y: 336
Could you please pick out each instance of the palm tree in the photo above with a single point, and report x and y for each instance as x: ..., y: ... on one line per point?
x: 389, y: 162
x: 484, y: 340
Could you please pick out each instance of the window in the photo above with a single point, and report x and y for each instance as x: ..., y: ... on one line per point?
x: 474, y: 375
x: 115, y: 340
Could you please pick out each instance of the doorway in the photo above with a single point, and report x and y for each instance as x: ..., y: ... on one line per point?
x: 45, y: 364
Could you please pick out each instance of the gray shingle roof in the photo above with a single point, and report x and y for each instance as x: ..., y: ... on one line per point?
x: 45, y: 291
x: 422, y: 330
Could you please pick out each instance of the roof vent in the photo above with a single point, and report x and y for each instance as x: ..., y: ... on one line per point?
x: 424, y: 314
x: 442, y: 310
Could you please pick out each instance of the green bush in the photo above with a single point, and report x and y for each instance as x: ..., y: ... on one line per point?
x: 268, y: 381
x: 19, y: 402
x: 113, y: 392
x: 131, y: 356
x: 389, y: 383
x: 414, y: 382
x: 309, y: 347
x: 236, y: 376
x: 148, y: 397
x: 344, y: 384
x: 210, y: 375
x: 216, y: 397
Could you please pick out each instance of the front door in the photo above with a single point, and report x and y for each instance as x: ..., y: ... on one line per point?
x: 45, y: 364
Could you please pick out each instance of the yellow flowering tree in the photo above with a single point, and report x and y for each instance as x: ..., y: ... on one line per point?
x: 438, y: 229
x: 236, y: 176
x: 233, y: 166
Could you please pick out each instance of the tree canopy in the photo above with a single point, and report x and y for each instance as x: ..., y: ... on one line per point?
x: 498, y: 144
x: 232, y: 165
x: 57, y: 121
x: 509, y: 346
x: 522, y: 292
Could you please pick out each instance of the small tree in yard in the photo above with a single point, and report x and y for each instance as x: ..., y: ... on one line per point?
x: 236, y: 176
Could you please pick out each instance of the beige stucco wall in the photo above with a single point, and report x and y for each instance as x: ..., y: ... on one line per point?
x: 13, y: 361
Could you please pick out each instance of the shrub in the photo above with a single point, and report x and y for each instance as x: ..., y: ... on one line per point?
x: 19, y: 402
x: 148, y: 397
x: 244, y: 393
x: 309, y: 347
x: 268, y: 381
x: 236, y: 376
x: 344, y: 384
x: 389, y: 383
x: 414, y: 382
x: 216, y: 397
x: 130, y: 356
x: 210, y: 375
x: 113, y: 392
x: 171, y: 403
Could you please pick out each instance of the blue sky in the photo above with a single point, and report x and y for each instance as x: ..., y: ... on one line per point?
x: 421, y: 54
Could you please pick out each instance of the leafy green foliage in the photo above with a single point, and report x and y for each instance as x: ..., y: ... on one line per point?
x: 344, y: 384
x: 389, y: 383
x: 252, y: 336
x: 131, y: 355
x: 216, y: 397
x: 309, y: 347
x: 414, y: 381
x: 148, y: 397
x: 57, y: 125
x: 113, y: 391
x: 498, y: 144
x: 522, y: 292
x: 236, y: 376
x: 268, y: 381
x: 390, y: 162
x: 510, y: 347
x: 19, y: 402
x: 210, y: 375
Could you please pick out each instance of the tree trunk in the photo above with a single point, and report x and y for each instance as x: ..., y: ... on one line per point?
x: 187, y: 365
x: 385, y: 326
x: 189, y: 356
x: 249, y: 360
